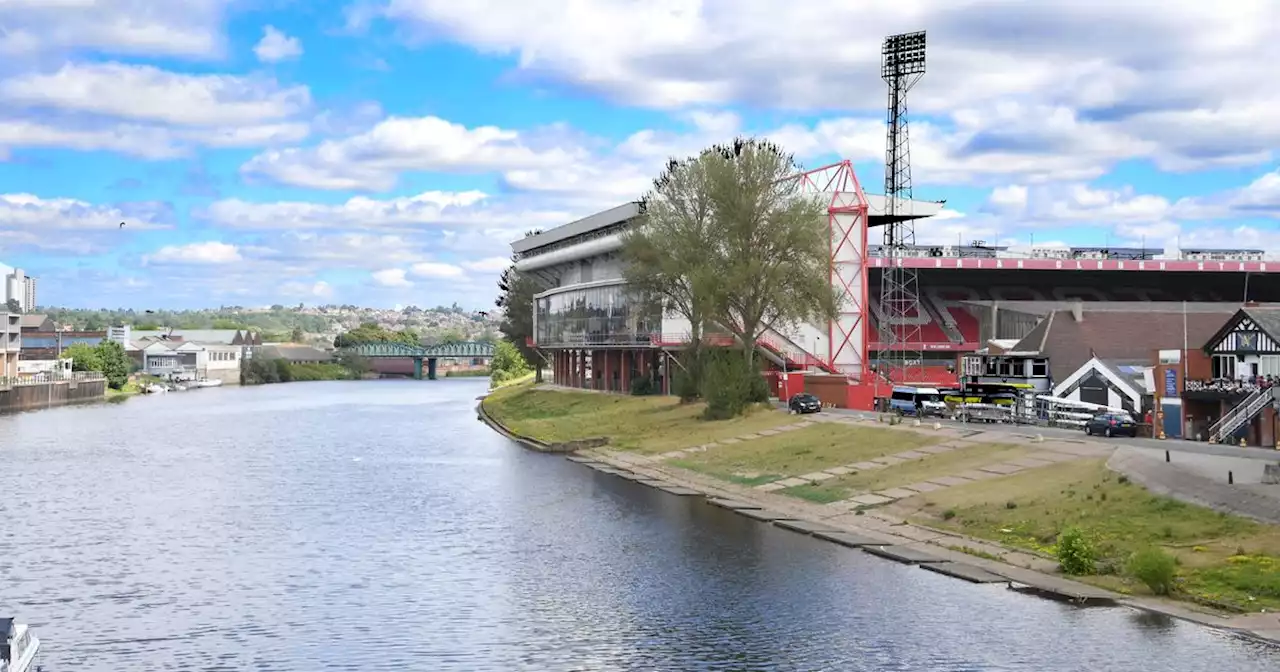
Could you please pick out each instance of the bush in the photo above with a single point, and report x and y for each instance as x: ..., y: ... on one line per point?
x: 642, y: 386
x: 729, y: 384
x: 1076, y: 554
x: 506, y: 357
x: 1155, y: 568
x: 686, y: 380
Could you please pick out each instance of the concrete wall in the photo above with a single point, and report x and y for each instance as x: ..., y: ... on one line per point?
x: 27, y: 397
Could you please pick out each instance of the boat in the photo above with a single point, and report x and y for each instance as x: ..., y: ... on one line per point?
x: 207, y: 383
x: 18, y: 653
x: 155, y: 389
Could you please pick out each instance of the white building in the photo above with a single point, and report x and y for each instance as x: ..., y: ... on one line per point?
x: 197, y: 354
x: 21, y: 288
x: 10, y: 344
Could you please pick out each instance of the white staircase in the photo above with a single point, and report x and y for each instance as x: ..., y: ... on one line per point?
x: 1243, y: 412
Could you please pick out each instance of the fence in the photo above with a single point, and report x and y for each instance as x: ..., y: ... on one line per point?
x: 45, y: 377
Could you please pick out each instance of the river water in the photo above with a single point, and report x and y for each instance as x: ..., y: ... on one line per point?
x: 378, y: 526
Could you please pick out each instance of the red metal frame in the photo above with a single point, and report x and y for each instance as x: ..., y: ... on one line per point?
x: 1029, y: 264
x: 847, y: 198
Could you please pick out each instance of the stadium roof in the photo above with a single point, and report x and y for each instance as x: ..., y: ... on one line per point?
x: 1047, y: 307
x: 876, y: 206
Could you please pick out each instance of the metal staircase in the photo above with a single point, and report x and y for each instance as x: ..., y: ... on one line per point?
x: 786, y: 351
x: 942, y: 318
x: 1243, y: 412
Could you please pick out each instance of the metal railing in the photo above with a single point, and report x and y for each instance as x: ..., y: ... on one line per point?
x: 1243, y: 412
x: 46, y: 377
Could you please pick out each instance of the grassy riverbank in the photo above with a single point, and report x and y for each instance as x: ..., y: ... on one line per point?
x: 1221, y: 559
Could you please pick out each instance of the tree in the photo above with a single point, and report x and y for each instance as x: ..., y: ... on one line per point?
x: 115, y: 363
x: 12, y: 306
x: 84, y: 357
x: 507, y: 363
x: 451, y: 335
x: 297, y: 335
x: 772, y: 247
x: 515, y: 297
x: 665, y: 255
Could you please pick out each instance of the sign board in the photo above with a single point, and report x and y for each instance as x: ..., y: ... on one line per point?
x: 1170, y: 356
x: 1170, y: 382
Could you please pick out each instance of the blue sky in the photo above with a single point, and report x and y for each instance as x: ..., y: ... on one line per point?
x: 384, y: 152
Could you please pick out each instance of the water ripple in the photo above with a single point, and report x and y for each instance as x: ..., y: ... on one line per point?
x: 378, y: 526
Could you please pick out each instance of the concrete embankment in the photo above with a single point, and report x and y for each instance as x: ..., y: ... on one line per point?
x: 27, y: 397
x: 880, y: 533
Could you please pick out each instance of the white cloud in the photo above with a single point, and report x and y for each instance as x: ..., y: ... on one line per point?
x: 488, y: 265
x: 211, y: 252
x: 191, y: 28
x: 436, y: 270
x: 373, y: 159
x: 1178, y: 82
x: 391, y: 277
x: 432, y: 208
x: 38, y: 215
x: 275, y: 46
x: 148, y: 94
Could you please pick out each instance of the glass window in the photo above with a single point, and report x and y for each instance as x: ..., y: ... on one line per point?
x: 593, y: 316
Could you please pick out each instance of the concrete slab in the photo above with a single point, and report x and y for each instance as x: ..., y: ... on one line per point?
x: 871, y: 500
x: 850, y: 539
x: 866, y: 466
x: 730, y: 503
x: 889, y: 461
x: 1002, y: 469
x: 904, y: 554
x: 651, y: 482
x: 897, y: 493
x: 769, y: 432
x: 962, y: 571
x: 804, y: 526
x: 762, y: 515
x: 937, y: 450
x: 770, y: 487
x: 748, y: 437
x: 671, y: 455
x: 910, y: 455
x: 975, y: 475
x: 1054, y: 457
x: 791, y: 482
x: 579, y: 459
x: 817, y: 476
x: 680, y: 491
x: 1030, y: 462
x: 950, y: 481
x: 839, y: 471
x: 924, y: 486
x: 914, y: 533
x: 730, y: 441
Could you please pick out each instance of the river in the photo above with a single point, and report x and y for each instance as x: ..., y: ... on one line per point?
x: 379, y: 526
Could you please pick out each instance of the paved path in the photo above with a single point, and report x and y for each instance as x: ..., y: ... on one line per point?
x: 1071, y: 434
x: 1260, y: 502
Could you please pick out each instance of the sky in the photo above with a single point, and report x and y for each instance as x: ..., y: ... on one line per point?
x: 383, y: 152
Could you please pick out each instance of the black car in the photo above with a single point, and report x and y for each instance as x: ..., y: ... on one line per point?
x: 805, y: 403
x: 1111, y: 424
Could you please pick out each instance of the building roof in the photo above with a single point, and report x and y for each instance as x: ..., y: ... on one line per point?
x: 876, y: 207
x: 34, y: 321
x: 212, y: 336
x: 1069, y: 338
x: 1267, y: 318
x: 1133, y: 372
x: 295, y: 353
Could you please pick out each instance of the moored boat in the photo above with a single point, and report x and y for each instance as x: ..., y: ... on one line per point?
x: 18, y: 652
x: 207, y: 383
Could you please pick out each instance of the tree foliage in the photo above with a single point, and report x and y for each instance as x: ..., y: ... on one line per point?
x: 371, y: 332
x: 515, y: 297
x: 772, y: 248
x: 12, y: 306
x: 107, y: 357
x: 507, y: 363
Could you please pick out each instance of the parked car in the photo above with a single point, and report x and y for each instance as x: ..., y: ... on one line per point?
x: 1111, y: 424
x: 805, y: 403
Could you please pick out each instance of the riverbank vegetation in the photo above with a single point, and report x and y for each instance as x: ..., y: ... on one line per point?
x: 107, y: 358
x: 270, y: 371
x: 1127, y: 537
x: 646, y: 425
x: 1094, y: 522
x: 508, y: 364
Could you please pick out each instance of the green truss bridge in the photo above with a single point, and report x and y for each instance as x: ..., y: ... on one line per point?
x: 431, y: 354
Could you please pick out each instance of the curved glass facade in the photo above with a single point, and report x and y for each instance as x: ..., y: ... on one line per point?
x: 593, y: 316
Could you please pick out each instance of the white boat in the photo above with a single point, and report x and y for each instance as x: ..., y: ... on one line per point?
x: 155, y: 389
x: 18, y: 653
x: 207, y: 383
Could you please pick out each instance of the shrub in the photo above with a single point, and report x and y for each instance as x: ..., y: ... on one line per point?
x: 1155, y: 568
x: 729, y: 384
x: 643, y: 386
x: 1076, y: 554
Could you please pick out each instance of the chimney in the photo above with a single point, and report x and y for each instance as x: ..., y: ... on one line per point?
x: 1077, y: 311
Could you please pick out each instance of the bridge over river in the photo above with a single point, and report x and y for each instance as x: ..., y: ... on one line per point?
x: 474, y: 352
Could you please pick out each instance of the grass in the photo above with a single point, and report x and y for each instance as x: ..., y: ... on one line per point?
x: 798, y: 452
x: 645, y: 425
x: 915, y: 471
x: 1222, y: 559
x: 130, y: 388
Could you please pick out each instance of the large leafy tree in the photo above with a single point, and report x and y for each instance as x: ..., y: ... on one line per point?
x: 665, y: 253
x: 771, y: 242
x: 515, y: 297
x: 371, y: 332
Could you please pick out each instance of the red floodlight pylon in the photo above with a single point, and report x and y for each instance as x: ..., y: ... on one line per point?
x: 847, y: 335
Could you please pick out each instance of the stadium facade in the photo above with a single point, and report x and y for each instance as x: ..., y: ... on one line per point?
x: 972, y: 298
